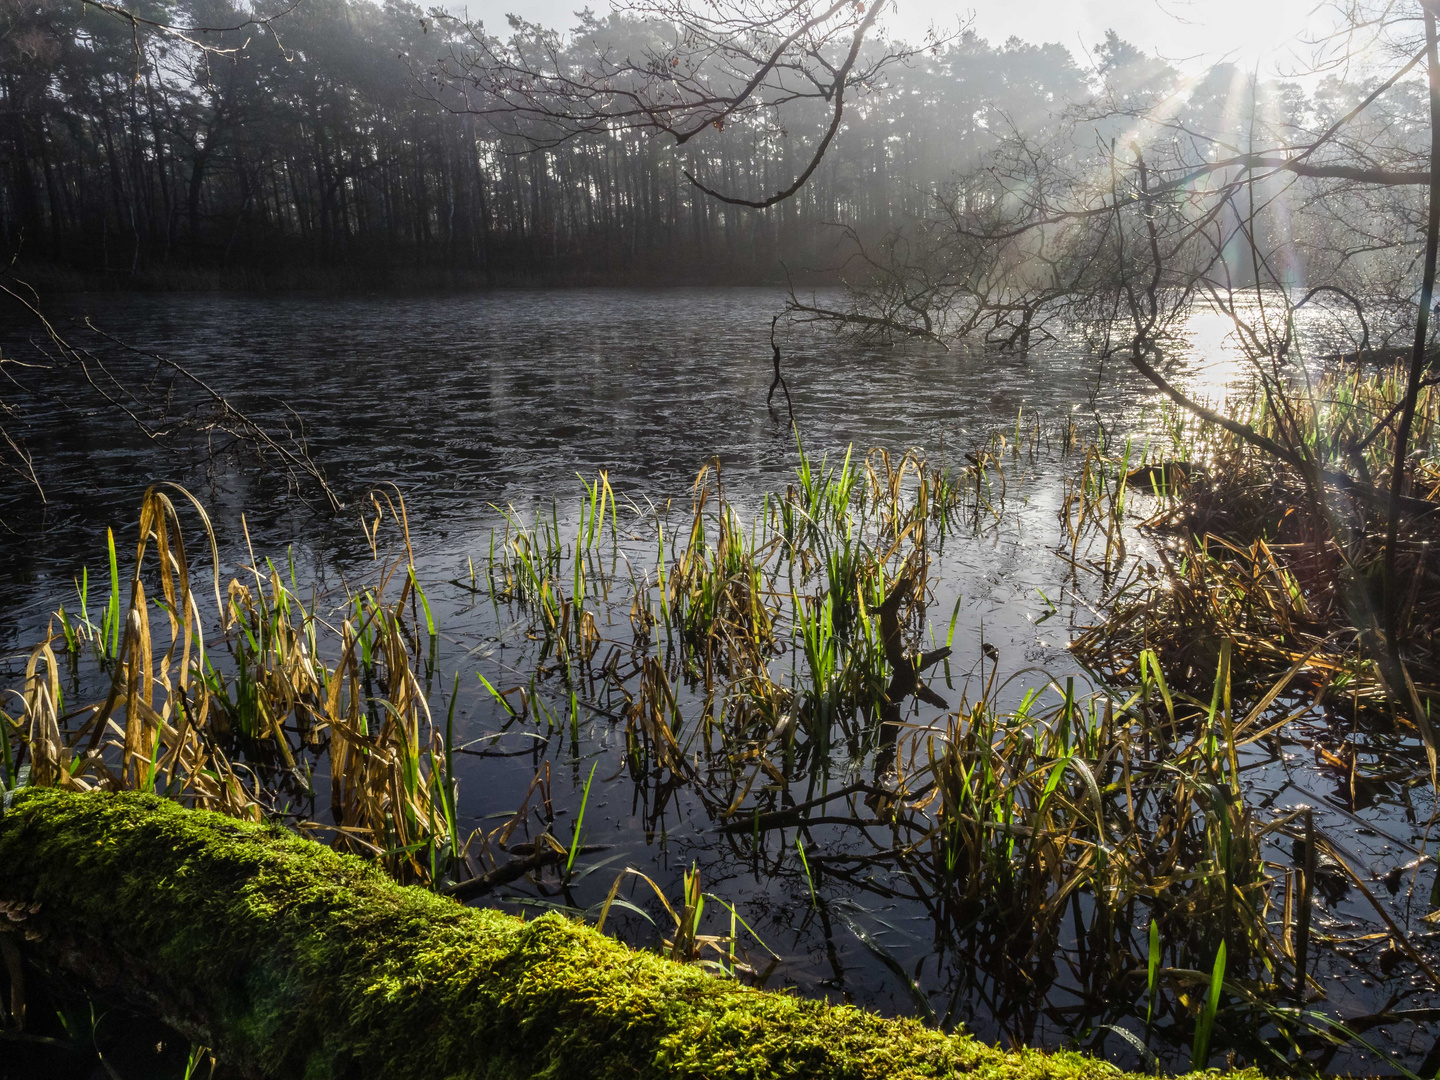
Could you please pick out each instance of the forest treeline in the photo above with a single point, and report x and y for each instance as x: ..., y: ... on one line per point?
x: 321, y: 141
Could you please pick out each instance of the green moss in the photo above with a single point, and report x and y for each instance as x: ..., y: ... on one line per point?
x: 290, y: 960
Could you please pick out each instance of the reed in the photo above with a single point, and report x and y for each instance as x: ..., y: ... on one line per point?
x: 247, y: 723
x: 754, y: 651
x: 1281, y: 562
x: 787, y: 622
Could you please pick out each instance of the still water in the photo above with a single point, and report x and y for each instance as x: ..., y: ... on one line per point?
x: 467, y: 404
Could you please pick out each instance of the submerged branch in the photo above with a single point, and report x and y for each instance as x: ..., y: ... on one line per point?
x: 863, y: 321
x: 515, y: 869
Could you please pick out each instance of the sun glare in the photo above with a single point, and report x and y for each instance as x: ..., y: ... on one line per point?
x: 1214, y: 360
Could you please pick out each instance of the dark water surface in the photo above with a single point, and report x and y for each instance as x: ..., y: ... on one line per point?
x: 468, y: 402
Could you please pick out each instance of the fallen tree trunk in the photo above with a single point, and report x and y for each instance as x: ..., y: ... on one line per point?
x: 290, y: 960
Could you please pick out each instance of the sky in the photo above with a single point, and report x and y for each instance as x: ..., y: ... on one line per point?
x: 1189, y: 31
x: 1193, y: 33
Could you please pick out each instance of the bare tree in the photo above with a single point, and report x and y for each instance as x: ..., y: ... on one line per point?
x: 1158, y: 217
x: 196, y: 35
x: 1165, y: 195
x: 697, y: 67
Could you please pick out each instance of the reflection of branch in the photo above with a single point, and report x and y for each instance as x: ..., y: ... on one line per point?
x: 798, y: 813
x: 779, y: 379
x: 515, y: 869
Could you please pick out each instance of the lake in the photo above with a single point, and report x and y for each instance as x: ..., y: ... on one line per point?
x: 469, y: 405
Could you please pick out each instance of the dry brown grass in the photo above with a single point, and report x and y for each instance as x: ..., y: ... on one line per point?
x: 248, y: 720
x: 1284, y: 564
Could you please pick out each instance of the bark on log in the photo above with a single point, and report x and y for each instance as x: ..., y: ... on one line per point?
x: 290, y: 960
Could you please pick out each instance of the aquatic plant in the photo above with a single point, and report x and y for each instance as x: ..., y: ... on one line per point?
x: 1284, y: 563
x: 1102, y: 836
x: 295, y: 695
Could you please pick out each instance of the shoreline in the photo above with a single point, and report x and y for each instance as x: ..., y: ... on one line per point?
x: 50, y: 279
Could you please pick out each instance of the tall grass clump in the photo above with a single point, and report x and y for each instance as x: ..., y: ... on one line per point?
x: 1285, y: 562
x: 254, y: 719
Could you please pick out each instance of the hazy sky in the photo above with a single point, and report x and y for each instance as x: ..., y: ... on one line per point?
x: 1202, y: 30
x: 1248, y: 30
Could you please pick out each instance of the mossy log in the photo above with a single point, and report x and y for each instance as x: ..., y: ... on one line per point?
x: 287, y: 959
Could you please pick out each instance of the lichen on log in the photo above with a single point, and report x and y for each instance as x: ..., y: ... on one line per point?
x: 288, y: 959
